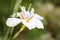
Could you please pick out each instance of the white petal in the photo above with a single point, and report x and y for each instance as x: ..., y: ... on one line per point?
x: 38, y: 24
x: 38, y: 16
x: 33, y: 23
x: 29, y: 25
x: 23, y: 10
x: 18, y: 14
x: 32, y: 11
x: 11, y: 22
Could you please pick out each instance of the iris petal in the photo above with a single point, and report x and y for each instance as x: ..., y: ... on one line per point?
x: 33, y: 23
x: 23, y: 10
x: 31, y: 12
x: 11, y: 22
x: 38, y: 16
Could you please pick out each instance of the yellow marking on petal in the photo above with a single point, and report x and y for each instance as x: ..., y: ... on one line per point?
x: 30, y: 17
x: 22, y: 16
x: 27, y: 20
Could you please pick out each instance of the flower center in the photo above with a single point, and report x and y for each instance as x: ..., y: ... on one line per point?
x: 27, y: 20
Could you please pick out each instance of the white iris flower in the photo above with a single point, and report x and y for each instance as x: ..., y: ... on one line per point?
x: 29, y: 19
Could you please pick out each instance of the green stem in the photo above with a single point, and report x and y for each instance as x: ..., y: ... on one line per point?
x: 16, y: 8
x: 16, y: 35
x: 29, y: 6
x: 11, y: 32
x: 6, y: 37
x: 17, y: 5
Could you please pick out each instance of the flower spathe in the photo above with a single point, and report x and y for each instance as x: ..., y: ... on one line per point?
x: 29, y: 19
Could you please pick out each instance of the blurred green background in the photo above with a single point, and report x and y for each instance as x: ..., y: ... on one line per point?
x: 49, y: 9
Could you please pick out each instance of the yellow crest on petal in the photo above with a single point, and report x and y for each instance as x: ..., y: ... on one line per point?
x: 27, y: 20
x: 22, y: 16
